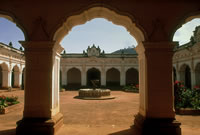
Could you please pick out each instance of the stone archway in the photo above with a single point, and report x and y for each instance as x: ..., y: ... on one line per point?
x: 73, y: 78
x: 15, y: 77
x: 41, y: 50
x: 132, y: 77
x: 5, y: 76
x: 174, y: 74
x: 93, y: 74
x: 99, y: 12
x: 197, y: 74
x: 150, y: 53
x: 23, y: 79
x: 185, y: 75
x: 113, y: 77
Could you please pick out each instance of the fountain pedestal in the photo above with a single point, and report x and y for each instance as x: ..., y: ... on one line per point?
x: 95, y: 94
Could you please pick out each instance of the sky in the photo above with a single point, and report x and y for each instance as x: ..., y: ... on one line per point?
x: 108, y: 36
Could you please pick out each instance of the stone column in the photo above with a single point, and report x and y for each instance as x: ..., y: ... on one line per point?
x: 122, y: 77
x: 156, y: 113
x: 83, y: 76
x: 6, y: 79
x: 41, y: 104
x: 103, y: 76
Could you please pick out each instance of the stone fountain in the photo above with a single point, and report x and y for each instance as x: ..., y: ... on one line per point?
x: 95, y: 93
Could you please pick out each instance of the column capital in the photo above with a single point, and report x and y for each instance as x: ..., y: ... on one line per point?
x: 42, y: 46
x: 155, y: 47
x: 160, y: 44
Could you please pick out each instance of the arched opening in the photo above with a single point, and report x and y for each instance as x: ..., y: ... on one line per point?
x: 174, y: 74
x: 15, y: 77
x: 132, y: 77
x: 99, y: 12
x: 73, y: 78
x: 113, y: 77
x: 61, y: 84
x: 87, y: 15
x: 185, y: 75
x: 23, y: 79
x: 197, y: 74
x: 93, y: 74
x: 4, y: 76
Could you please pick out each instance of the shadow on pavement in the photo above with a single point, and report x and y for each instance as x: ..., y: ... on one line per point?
x: 8, y: 132
x: 131, y: 131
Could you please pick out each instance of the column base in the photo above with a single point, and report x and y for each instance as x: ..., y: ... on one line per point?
x: 39, y: 126
x: 151, y: 126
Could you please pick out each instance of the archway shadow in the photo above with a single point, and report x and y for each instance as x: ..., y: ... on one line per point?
x: 130, y: 131
x: 8, y: 132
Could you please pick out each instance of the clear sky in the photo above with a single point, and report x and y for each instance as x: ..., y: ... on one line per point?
x: 102, y: 33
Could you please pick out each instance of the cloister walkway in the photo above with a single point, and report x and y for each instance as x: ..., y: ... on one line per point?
x: 96, y: 117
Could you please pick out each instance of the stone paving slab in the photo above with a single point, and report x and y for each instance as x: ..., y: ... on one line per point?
x: 95, y: 117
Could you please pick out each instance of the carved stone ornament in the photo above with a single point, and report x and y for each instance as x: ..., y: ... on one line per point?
x: 93, y: 51
x: 39, y: 31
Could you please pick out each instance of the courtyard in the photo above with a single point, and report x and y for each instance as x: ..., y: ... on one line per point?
x: 94, y: 117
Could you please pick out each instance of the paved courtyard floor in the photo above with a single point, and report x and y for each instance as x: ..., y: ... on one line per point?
x: 94, y: 117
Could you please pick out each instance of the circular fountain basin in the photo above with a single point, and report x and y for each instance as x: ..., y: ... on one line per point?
x: 97, y: 94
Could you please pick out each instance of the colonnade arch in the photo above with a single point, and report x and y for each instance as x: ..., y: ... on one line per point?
x: 185, y: 75
x: 99, y: 12
x: 147, y: 108
x: 23, y: 79
x: 112, y: 77
x: 132, y: 77
x: 174, y: 74
x: 92, y: 75
x: 15, y: 79
x: 74, y: 77
x: 197, y: 74
x: 151, y: 52
x: 4, y: 75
